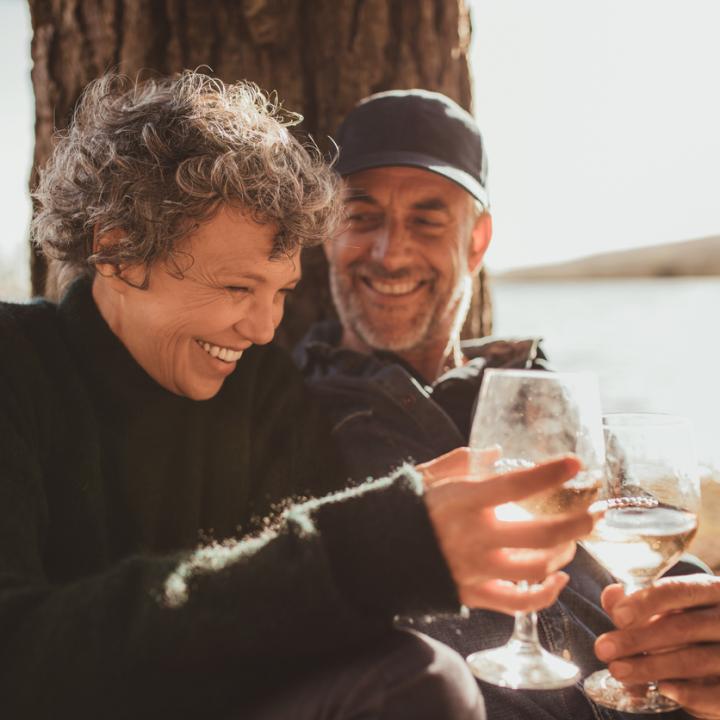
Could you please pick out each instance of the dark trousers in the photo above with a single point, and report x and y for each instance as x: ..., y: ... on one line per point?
x: 407, y: 677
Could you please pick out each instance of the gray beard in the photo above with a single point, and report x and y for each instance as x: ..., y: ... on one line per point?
x: 415, y: 333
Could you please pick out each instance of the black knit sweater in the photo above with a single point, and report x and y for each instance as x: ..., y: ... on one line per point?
x: 108, y: 483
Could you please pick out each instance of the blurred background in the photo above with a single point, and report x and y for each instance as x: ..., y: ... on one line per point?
x: 602, y: 122
x: 603, y: 131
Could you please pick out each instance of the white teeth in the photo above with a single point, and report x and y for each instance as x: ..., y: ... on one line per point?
x: 396, y: 288
x: 225, y: 354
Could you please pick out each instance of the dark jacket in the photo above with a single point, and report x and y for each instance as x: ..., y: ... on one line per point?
x: 382, y: 414
x: 112, y: 602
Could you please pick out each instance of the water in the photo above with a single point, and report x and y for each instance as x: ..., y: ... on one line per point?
x: 654, y: 343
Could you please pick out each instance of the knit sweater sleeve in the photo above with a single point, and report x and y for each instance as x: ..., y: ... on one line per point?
x: 196, y: 634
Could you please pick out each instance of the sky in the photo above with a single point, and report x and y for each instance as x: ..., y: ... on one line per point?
x: 602, y: 122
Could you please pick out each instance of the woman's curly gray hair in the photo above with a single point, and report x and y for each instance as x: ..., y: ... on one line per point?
x: 153, y: 159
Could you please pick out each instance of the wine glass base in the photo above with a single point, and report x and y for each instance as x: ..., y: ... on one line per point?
x: 520, y: 666
x: 602, y: 688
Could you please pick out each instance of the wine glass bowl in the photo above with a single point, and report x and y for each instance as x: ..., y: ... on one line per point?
x: 530, y: 417
x: 649, y: 517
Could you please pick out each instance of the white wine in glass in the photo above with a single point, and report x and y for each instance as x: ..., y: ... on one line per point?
x: 650, y: 517
x: 533, y: 416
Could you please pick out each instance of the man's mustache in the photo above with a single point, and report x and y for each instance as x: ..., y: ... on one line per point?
x: 379, y: 272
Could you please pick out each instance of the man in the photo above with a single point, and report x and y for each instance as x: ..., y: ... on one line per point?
x: 146, y: 427
x: 399, y: 384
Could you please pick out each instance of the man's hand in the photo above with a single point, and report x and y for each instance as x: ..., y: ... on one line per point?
x: 677, y: 624
x: 482, y: 551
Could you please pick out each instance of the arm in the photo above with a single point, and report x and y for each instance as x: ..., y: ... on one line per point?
x: 152, y: 636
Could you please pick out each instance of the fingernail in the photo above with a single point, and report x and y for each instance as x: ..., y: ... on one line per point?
x: 620, y: 669
x: 623, y: 616
x: 605, y: 649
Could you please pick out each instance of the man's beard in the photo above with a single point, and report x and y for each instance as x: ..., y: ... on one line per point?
x: 401, y: 331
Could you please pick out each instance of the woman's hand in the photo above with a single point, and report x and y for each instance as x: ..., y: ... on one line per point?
x: 483, y: 552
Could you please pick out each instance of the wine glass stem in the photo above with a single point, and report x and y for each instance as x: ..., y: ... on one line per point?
x: 630, y: 588
x: 525, y: 630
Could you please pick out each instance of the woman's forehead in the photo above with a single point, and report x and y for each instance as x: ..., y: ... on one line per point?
x: 232, y: 242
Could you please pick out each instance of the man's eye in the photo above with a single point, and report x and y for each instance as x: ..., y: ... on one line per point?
x: 428, y: 222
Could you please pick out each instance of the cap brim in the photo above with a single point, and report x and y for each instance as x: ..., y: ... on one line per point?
x: 418, y: 160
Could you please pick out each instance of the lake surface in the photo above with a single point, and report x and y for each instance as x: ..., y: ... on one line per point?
x: 655, y: 343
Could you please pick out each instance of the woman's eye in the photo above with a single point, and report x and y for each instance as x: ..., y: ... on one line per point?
x: 281, y: 295
x: 237, y: 289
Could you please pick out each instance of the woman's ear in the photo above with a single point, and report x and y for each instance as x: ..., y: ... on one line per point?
x: 479, y: 240
x: 118, y: 275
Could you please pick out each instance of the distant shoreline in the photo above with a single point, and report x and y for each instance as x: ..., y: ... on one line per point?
x: 517, y: 276
x: 693, y: 258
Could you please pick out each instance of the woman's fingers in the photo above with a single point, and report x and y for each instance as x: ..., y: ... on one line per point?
x: 482, y: 551
x: 470, y: 495
x: 508, y: 598
x: 520, y: 484
x: 531, y: 565
x: 542, y: 532
x: 460, y: 462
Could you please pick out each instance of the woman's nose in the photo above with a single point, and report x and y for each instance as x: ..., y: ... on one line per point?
x: 259, y: 324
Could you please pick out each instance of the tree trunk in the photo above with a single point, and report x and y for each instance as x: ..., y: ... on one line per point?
x: 321, y: 56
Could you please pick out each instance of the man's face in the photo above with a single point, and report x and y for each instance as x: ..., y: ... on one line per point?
x: 188, y: 333
x: 401, y: 271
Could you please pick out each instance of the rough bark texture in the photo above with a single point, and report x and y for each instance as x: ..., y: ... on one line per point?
x: 321, y: 56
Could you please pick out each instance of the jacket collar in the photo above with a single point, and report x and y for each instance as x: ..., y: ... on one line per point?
x: 319, y: 355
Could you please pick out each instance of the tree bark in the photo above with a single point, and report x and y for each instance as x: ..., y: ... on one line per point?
x: 321, y: 56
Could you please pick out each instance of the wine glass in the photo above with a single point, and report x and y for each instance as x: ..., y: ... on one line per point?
x: 532, y: 416
x: 651, y: 506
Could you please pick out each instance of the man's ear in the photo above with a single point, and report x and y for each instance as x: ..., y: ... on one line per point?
x: 479, y: 240
x: 120, y: 277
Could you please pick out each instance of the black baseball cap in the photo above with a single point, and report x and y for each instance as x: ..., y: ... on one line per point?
x: 414, y: 128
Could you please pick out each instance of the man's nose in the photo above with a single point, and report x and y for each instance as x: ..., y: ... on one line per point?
x: 258, y: 323
x: 390, y: 245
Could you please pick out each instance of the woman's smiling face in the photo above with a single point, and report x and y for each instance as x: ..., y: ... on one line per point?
x: 189, y: 332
